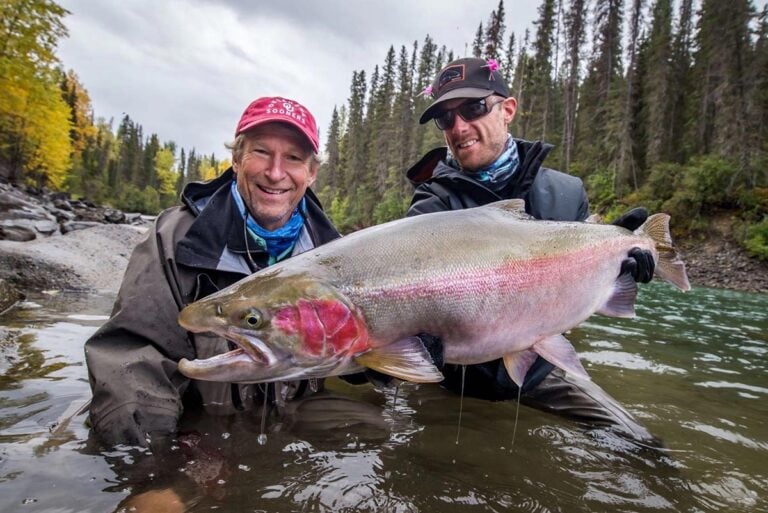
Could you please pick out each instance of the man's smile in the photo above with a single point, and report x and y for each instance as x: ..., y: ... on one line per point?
x: 271, y: 190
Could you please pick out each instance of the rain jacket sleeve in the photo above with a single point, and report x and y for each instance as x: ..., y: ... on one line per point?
x: 131, y: 359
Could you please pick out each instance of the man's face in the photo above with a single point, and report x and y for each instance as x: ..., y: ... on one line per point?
x: 274, y: 172
x: 476, y: 144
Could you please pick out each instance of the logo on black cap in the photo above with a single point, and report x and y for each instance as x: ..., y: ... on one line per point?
x: 450, y: 74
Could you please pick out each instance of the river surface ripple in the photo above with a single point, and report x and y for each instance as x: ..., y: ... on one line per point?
x: 692, y: 367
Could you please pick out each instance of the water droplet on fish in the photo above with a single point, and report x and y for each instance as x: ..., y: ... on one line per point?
x: 220, y: 481
x: 261, y: 439
x: 29, y: 501
x: 244, y: 468
x: 225, y: 435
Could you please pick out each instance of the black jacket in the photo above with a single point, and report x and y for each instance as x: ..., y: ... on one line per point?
x: 190, y: 252
x: 548, y: 194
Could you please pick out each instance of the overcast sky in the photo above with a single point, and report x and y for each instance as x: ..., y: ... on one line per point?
x: 186, y: 69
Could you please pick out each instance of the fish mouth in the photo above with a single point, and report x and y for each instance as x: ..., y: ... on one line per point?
x: 255, y: 361
x: 254, y: 347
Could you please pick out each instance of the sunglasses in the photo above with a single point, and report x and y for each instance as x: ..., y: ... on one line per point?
x: 469, y: 111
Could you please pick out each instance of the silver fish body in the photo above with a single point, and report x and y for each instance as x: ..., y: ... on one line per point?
x: 490, y: 282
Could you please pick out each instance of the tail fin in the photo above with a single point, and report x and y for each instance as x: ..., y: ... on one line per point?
x: 669, y: 265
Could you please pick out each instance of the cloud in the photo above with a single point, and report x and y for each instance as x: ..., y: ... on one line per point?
x: 186, y: 69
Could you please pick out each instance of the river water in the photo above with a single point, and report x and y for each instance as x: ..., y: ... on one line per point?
x: 692, y: 367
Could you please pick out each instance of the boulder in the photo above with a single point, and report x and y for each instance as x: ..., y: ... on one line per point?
x: 114, y: 216
x: 70, y: 226
x: 17, y: 233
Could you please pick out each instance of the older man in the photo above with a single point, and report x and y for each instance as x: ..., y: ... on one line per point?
x: 483, y: 163
x: 256, y: 213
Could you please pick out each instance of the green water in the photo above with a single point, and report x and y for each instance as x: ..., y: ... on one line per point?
x: 692, y: 367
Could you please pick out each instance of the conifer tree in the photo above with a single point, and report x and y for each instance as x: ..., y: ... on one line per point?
x: 759, y: 103
x: 181, y: 179
x: 520, y: 86
x: 402, y: 121
x: 353, y: 152
x: 425, y: 136
x: 627, y: 168
x: 600, y: 104
x: 508, y: 68
x: 539, y: 105
x: 148, y: 174
x: 478, y: 45
x: 381, y: 143
x: 658, y: 85
x: 575, y: 33
x: 327, y: 177
x: 682, y: 86
x: 723, y: 51
x: 494, y: 35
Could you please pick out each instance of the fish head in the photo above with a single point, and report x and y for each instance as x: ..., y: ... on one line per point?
x: 283, y: 327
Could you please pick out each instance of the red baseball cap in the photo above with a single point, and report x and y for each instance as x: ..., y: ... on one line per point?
x: 268, y: 109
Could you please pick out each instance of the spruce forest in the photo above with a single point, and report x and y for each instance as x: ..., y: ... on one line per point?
x: 656, y: 103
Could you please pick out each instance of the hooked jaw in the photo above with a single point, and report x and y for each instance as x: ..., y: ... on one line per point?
x: 253, y: 347
x: 208, y: 316
x: 296, y: 339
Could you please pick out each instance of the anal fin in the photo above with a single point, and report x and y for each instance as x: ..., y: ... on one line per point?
x: 406, y: 359
x: 517, y: 365
x: 558, y: 351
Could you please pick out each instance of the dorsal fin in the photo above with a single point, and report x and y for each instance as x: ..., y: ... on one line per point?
x: 513, y: 205
x: 594, y: 219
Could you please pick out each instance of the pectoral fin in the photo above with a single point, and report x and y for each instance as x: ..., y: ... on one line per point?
x: 622, y: 300
x: 558, y: 351
x: 518, y: 363
x: 405, y: 359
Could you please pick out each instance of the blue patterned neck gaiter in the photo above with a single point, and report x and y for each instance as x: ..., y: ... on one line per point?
x: 497, y: 175
x: 278, y: 243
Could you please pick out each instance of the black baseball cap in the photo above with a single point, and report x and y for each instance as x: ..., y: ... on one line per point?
x: 465, y: 78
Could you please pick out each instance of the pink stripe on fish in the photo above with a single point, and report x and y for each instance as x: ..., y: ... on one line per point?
x: 516, y: 276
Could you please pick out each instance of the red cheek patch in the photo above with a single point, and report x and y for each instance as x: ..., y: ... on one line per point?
x: 286, y: 320
x: 311, y: 327
x: 327, y: 327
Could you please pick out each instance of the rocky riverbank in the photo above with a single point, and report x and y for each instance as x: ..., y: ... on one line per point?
x: 49, y: 241
x: 720, y: 262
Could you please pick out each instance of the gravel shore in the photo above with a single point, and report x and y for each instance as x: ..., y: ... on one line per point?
x: 94, y: 258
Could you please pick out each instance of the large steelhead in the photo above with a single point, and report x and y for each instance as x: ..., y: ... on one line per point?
x: 489, y: 281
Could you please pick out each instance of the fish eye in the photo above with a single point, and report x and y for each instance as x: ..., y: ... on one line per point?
x: 253, y: 318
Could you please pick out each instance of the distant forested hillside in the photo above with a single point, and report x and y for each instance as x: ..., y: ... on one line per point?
x: 650, y: 103
x: 658, y: 103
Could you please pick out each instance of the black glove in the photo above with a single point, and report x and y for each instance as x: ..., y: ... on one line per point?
x: 639, y: 262
x: 432, y: 344
x: 633, y: 219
